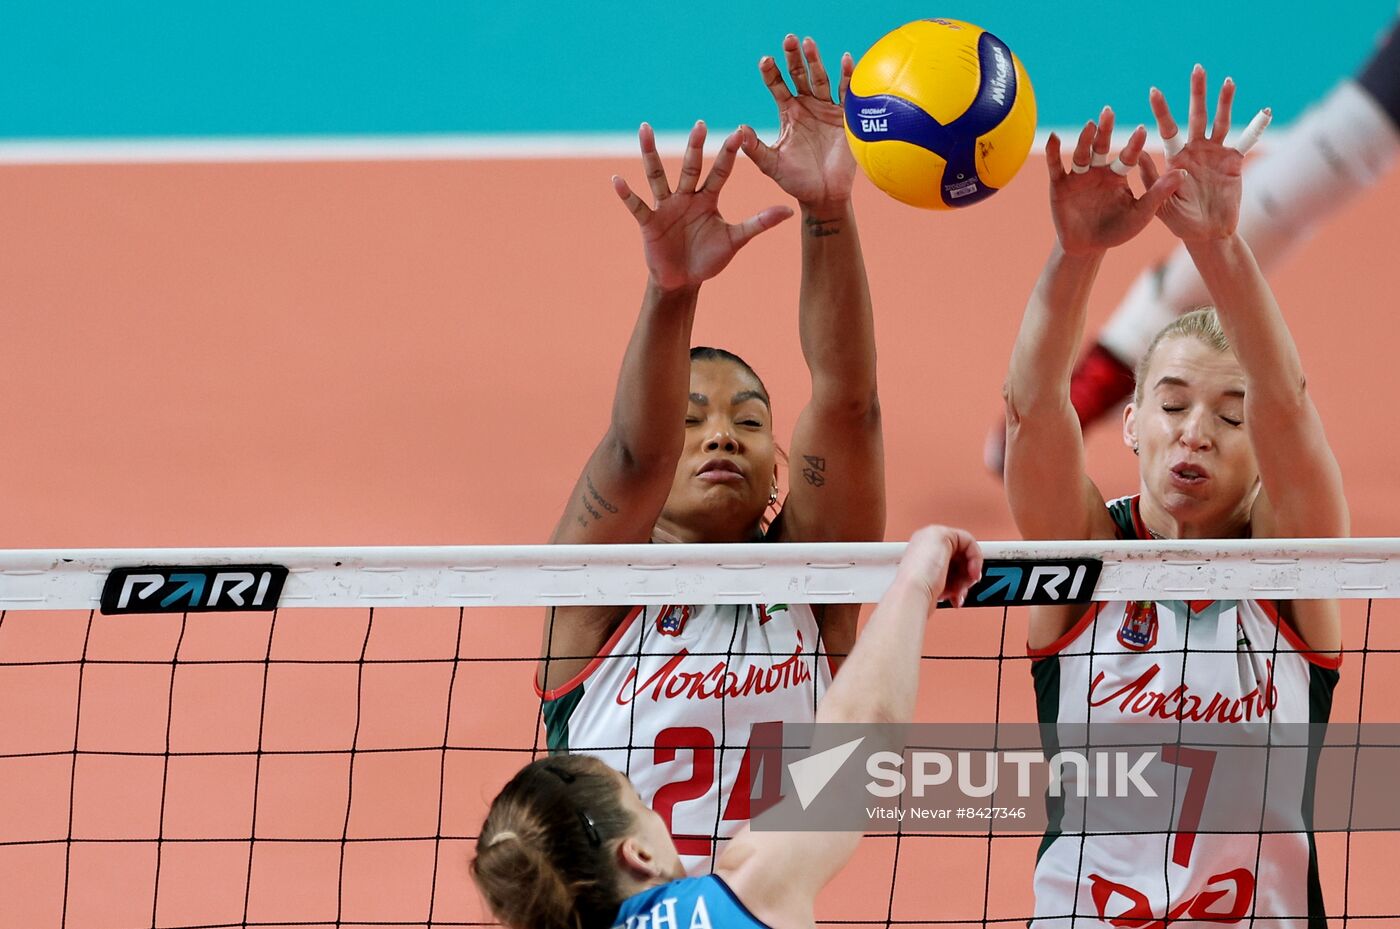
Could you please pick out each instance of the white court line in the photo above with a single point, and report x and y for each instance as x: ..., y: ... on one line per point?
x: 363, y: 148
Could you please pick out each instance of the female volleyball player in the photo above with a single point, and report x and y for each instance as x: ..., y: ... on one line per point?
x: 1229, y: 445
x: 1337, y: 150
x: 570, y: 844
x: 668, y: 694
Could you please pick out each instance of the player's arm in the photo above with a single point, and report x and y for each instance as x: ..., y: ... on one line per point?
x: 778, y: 874
x: 685, y: 241
x: 1047, y: 482
x: 837, y: 468
x: 624, y: 485
x: 1302, y: 484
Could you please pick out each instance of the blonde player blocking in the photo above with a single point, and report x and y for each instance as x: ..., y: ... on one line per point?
x: 669, y: 694
x: 1338, y: 149
x: 1229, y: 445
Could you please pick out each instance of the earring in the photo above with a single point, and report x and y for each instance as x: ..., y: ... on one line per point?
x: 773, y: 495
x: 1135, y: 448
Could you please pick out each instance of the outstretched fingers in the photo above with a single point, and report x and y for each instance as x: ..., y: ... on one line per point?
x: 1053, y: 159
x: 741, y: 233
x: 773, y: 78
x: 692, y: 159
x: 1167, y: 129
x: 639, y: 210
x: 724, y: 161
x: 1133, y: 150
x: 1254, y: 130
x: 1103, y: 139
x: 1128, y: 158
x: 797, y: 68
x: 761, y: 154
x: 1196, y: 111
x: 1079, y: 163
x: 821, y: 84
x: 1223, y: 106
x: 651, y: 164
x: 848, y: 67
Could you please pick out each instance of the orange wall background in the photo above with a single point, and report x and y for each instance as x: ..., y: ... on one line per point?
x: 424, y: 352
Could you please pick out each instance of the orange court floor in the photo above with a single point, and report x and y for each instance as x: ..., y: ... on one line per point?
x: 424, y: 353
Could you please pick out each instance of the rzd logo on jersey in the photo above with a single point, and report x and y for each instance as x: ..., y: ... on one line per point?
x: 672, y: 620
x: 1139, y: 629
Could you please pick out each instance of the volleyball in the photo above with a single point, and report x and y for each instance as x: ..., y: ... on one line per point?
x: 940, y: 114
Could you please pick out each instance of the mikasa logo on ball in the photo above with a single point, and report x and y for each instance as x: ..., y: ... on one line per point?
x: 952, y: 90
x: 1002, y: 75
x: 875, y: 118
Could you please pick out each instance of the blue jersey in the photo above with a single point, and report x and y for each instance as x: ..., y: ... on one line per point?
x: 689, y: 903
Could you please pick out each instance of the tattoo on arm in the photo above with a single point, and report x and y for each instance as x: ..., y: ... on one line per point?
x: 589, y: 507
x: 819, y: 228
x: 815, y: 472
x: 589, y: 499
x: 593, y: 492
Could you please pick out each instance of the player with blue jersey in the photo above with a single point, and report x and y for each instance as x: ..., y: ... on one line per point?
x: 570, y: 844
x: 1230, y: 445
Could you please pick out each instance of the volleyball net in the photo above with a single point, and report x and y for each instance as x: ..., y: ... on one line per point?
x: 212, y: 738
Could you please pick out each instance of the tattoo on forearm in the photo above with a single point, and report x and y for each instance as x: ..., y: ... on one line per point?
x: 593, y: 491
x: 820, y: 228
x: 815, y: 472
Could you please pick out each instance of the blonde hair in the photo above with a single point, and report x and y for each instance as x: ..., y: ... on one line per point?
x: 1201, y: 323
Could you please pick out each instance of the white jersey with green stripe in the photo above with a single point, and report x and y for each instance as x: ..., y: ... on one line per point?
x: 670, y: 701
x: 1233, y: 663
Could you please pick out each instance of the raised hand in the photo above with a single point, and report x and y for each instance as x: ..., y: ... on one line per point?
x: 1093, y: 207
x: 684, y: 238
x: 811, y: 160
x: 945, y: 562
x: 1206, y: 205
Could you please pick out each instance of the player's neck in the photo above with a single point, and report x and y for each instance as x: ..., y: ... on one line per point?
x: 667, y: 530
x: 630, y: 885
x: 1163, y: 524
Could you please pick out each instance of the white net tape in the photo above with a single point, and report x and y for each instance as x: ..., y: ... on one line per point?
x: 554, y: 575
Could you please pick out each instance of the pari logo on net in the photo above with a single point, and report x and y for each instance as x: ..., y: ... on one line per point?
x: 1042, y: 582
x: 977, y: 775
x: 193, y: 588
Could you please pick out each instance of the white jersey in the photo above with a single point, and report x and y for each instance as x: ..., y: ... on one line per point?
x: 1224, y: 662
x: 670, y: 701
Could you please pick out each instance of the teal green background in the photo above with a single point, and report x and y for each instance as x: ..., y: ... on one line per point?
x: 164, y: 69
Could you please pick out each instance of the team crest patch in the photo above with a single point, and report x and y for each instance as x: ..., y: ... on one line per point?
x: 672, y: 620
x: 1139, y: 629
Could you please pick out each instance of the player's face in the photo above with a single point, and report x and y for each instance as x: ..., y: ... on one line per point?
x: 1196, y: 462
x: 651, y: 833
x: 726, y: 469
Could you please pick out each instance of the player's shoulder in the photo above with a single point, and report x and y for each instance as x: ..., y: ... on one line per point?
x: 1126, y: 516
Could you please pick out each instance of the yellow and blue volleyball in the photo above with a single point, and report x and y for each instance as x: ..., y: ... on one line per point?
x: 940, y: 114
